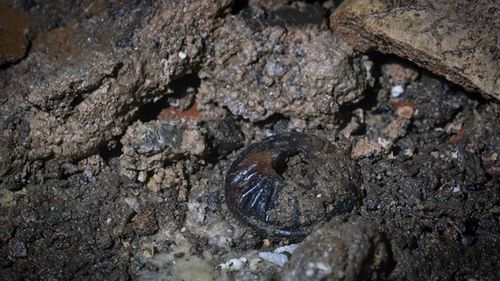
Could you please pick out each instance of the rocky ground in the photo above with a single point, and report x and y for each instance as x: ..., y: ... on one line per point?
x: 119, y: 122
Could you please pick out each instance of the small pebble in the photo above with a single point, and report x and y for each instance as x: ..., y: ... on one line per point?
x: 182, y: 55
x: 365, y: 147
x: 288, y: 248
x: 234, y: 264
x: 405, y: 112
x: 396, y: 91
x: 133, y: 204
x: 277, y: 259
x: 142, y: 176
x: 266, y: 243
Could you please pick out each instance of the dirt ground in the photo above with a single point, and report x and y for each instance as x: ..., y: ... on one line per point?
x: 119, y: 122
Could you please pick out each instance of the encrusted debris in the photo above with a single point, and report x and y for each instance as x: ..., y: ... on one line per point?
x: 258, y: 68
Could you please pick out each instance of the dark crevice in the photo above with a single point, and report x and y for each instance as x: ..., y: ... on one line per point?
x: 272, y: 121
x: 390, y: 263
x: 286, y: 16
x: 111, y: 150
x: 281, y: 163
x: 299, y: 14
x: 147, y: 112
x: 337, y: 3
x: 179, y: 88
x: 238, y: 6
x: 369, y: 100
x: 468, y: 236
x: 181, y: 85
x: 150, y: 111
x: 380, y: 59
x: 471, y: 226
x: 77, y: 99
x: 344, y: 114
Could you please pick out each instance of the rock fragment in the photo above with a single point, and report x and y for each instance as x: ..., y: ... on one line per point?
x: 224, y: 136
x: 280, y: 255
x: 234, y: 264
x: 340, y: 250
x: 455, y: 39
x: 149, y: 146
x: 365, y: 147
x: 258, y: 66
x: 170, y: 177
x: 274, y: 258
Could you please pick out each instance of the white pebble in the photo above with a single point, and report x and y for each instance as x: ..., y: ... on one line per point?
x: 182, y: 55
x: 142, y: 176
x: 323, y: 267
x: 277, y: 259
x: 234, y: 264
x: 133, y: 204
x: 397, y: 90
x: 288, y: 248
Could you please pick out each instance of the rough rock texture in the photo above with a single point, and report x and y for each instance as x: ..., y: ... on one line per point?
x: 133, y: 79
x: 148, y: 147
x: 82, y: 83
x: 456, y: 39
x: 269, y: 4
x: 262, y: 65
x: 428, y: 155
x: 339, y: 250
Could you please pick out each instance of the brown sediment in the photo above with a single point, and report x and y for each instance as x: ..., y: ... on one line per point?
x: 13, y: 28
x: 61, y: 39
x: 172, y: 113
x: 262, y: 160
